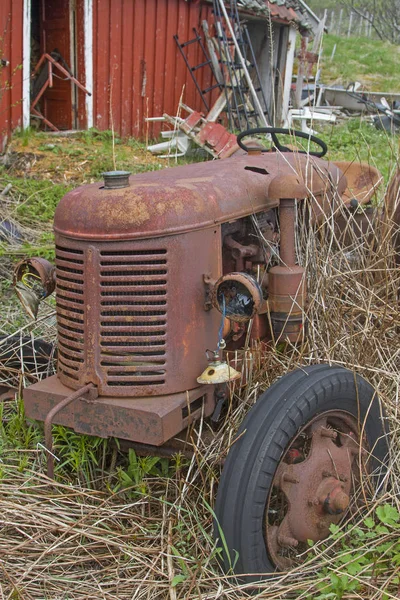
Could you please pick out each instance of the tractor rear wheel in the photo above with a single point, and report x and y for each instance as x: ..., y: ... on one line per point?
x: 295, y: 467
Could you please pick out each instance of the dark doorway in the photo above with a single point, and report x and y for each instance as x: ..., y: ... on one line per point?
x: 56, y: 36
x: 53, y: 31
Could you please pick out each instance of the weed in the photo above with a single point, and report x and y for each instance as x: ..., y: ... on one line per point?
x: 80, y: 456
x: 140, y: 467
x: 370, y: 550
x: 26, y: 135
x: 15, y: 432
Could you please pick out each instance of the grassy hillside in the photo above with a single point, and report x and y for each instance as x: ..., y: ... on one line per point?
x: 372, y: 62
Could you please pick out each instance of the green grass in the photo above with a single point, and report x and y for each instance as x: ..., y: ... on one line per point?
x: 372, y: 62
x: 37, y: 199
x: 358, y: 140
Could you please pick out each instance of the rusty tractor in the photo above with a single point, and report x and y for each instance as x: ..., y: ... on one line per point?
x: 151, y: 272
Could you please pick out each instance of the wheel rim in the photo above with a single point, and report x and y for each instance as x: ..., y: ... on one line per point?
x: 312, y: 486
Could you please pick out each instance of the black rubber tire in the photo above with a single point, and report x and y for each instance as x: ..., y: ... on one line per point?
x: 265, y: 434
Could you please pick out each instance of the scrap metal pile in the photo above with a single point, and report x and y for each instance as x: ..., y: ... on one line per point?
x: 230, y: 56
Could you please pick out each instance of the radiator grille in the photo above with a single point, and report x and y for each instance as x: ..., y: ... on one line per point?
x: 133, y: 316
x: 70, y: 310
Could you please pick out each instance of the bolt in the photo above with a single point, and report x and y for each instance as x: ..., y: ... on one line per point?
x: 289, y: 478
x: 340, y: 502
x: 285, y: 540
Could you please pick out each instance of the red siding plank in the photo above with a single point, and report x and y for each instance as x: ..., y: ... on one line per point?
x: 11, y: 24
x: 126, y: 68
x: 101, y: 50
x: 115, y: 65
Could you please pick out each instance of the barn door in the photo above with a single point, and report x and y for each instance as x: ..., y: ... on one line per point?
x: 57, y: 33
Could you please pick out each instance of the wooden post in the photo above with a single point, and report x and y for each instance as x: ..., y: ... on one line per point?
x: 360, y: 25
x: 339, y: 27
x: 332, y: 22
x: 350, y: 24
x: 288, y: 73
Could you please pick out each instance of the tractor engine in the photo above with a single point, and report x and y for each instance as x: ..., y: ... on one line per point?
x: 143, y: 262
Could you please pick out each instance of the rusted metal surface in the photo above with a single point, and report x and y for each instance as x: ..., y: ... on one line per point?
x: 287, y: 282
x: 147, y: 420
x: 11, y: 23
x: 194, y: 196
x: 232, y: 290
x: 33, y: 280
x: 49, y: 421
x: 287, y: 216
x: 130, y: 315
x: 362, y: 181
x: 312, y: 485
x: 40, y: 267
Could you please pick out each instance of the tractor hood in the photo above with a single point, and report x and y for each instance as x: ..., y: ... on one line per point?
x: 192, y: 197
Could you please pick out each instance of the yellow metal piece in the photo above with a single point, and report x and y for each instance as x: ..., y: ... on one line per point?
x: 218, y: 372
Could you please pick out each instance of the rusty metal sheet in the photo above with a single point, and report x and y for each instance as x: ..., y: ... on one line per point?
x: 146, y: 420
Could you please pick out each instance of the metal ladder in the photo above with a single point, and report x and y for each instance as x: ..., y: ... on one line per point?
x: 240, y: 108
x: 192, y: 69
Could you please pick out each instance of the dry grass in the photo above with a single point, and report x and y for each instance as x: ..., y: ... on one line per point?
x: 61, y: 540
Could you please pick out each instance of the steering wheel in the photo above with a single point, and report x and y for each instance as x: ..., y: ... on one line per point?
x: 274, y: 130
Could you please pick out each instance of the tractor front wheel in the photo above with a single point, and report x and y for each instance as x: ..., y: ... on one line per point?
x: 296, y: 467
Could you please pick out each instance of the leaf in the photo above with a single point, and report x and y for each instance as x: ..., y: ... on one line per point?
x: 381, y: 530
x: 369, y: 522
x: 354, y: 568
x: 388, y: 514
x: 178, y: 579
x: 334, y: 529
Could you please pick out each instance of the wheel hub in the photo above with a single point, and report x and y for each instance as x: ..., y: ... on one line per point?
x: 312, y: 485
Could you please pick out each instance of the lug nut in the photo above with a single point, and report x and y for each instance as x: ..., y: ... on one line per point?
x: 343, y: 478
x: 326, y: 474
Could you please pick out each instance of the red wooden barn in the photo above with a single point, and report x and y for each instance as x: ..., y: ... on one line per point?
x: 125, y: 54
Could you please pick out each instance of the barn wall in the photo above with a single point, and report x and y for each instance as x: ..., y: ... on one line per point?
x: 138, y: 70
x: 11, y: 23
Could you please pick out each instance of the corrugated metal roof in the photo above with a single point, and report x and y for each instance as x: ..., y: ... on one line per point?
x: 290, y: 11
